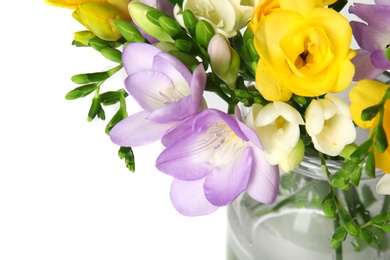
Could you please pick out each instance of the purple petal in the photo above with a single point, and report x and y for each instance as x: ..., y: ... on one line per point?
x: 363, y: 66
x: 379, y: 60
x: 369, y: 38
x: 171, y: 66
x: 177, y: 132
x: 209, y: 116
x: 189, y: 199
x: 357, y: 29
x: 375, y: 15
x: 264, y: 181
x: 224, y: 184
x: 382, y: 2
x: 146, y: 88
x: 186, y: 159
x: 138, y: 57
x: 135, y: 130
x: 188, y: 105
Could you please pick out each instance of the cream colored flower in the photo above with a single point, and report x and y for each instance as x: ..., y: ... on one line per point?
x: 277, y: 125
x: 226, y: 16
x: 383, y: 185
x: 329, y: 123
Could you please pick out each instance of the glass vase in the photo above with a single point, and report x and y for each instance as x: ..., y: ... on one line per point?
x: 295, y: 227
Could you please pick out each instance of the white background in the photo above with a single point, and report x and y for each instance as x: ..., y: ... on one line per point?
x: 64, y: 193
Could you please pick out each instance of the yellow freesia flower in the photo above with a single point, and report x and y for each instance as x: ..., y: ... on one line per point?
x: 100, y: 18
x: 368, y: 93
x: 304, y: 49
x: 71, y: 4
x: 266, y: 7
x: 121, y: 5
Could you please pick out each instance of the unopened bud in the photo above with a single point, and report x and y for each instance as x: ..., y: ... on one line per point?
x: 129, y: 32
x: 224, y: 60
x: 100, y: 19
x: 83, y: 37
x: 146, y: 18
x: 204, y: 31
x: 190, y: 21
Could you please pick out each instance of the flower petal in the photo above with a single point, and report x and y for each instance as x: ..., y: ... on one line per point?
x: 187, y: 105
x: 379, y: 60
x: 264, y: 181
x: 314, y: 118
x: 224, y: 184
x: 138, y: 57
x: 375, y: 15
x: 187, y: 158
x: 136, y: 130
x: 189, y: 199
x: 173, y: 68
x: 364, y: 67
x: 147, y: 87
x: 383, y: 185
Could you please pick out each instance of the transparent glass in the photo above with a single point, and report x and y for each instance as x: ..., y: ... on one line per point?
x: 295, y: 227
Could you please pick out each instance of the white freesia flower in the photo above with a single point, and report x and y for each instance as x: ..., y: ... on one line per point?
x: 277, y: 125
x: 226, y: 16
x: 383, y: 185
x: 329, y: 123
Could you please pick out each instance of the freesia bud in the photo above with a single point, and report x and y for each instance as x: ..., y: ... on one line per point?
x: 294, y: 158
x: 83, y: 37
x: 146, y: 18
x: 129, y: 32
x: 169, y: 25
x: 100, y: 18
x: 225, y: 61
x: 204, y: 31
x: 190, y: 21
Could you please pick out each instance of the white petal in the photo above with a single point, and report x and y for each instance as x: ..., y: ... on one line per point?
x: 289, y: 113
x: 314, y: 118
x: 342, y: 106
x: 383, y: 185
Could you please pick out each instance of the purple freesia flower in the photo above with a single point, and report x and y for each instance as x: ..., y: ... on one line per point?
x: 373, y: 37
x: 213, y: 159
x: 163, y: 87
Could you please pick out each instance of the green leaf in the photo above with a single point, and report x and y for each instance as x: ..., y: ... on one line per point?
x: 356, y: 175
x: 362, y: 150
x: 127, y: 154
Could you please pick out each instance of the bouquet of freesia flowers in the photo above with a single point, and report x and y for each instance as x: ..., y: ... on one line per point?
x: 281, y: 61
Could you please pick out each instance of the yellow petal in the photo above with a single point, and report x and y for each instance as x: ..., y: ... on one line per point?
x: 270, y: 85
x: 267, y: 38
x: 71, y: 4
x: 303, y: 7
x: 365, y: 93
